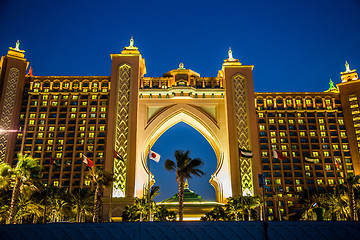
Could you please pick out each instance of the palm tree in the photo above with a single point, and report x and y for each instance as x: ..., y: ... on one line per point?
x: 250, y: 204
x: 184, y: 168
x: 352, y: 181
x: 81, y: 201
x: 233, y: 205
x: 102, y: 179
x: 27, y: 171
x: 59, y: 203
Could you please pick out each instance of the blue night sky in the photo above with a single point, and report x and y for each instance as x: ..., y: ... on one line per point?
x: 295, y: 46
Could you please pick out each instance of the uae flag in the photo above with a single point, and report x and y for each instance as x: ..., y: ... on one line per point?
x: 52, y: 161
x: 277, y: 154
x: 312, y: 160
x: 154, y: 156
x: 117, y: 156
x: 245, y: 153
x: 88, y: 162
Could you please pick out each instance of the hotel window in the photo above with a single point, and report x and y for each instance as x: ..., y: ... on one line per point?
x: 269, y: 101
x: 44, y: 103
x: 87, y: 182
x: 92, y: 128
x: 33, y: 115
x: 51, y: 128
x: 84, y: 103
x: 262, y: 127
x: 65, y: 97
x: 282, y: 134
x: 75, y: 97
x: 42, y: 115
x: 298, y: 101
x: 40, y: 135
x: 320, y: 181
x: 273, y: 134
x: 93, y: 109
x: 271, y: 120
x: 307, y: 168
x: 345, y: 146
x: 102, y: 128
x: 102, y: 115
x: 323, y: 134
x: 283, y: 147
x: 61, y: 128
x: 73, y: 109
x: 50, y: 141
x: 299, y: 189
x: 315, y: 154
x: 81, y: 129
x: 92, y: 115
x: 41, y: 128
x: 49, y: 148
x: 278, y: 181
x: 66, y: 85
x: 354, y: 105
x: 56, y: 183
x: 326, y: 154
x: 308, y: 101
x: 264, y: 154
x: 288, y: 101
x: 93, y: 96
x: 104, y: 90
x: 321, y: 120
x: 302, y: 134
x: 100, y: 154
x: 73, y: 115
x: 322, y: 127
x: 327, y: 101
x: 312, y: 134
x: 273, y: 140
x: 82, y: 134
x: 45, y: 97
x: 281, y: 121
x: 90, y: 148
x: 103, y: 109
x: 261, y: 114
x: 340, y: 121
x: 297, y: 181
x: 335, y: 146
x: 300, y: 120
x: 83, y: 115
x: 54, y: 103
x: 60, y: 141
x: 291, y: 121
x: 75, y: 85
x: 91, y: 135
x: 331, y: 181
x: 31, y: 122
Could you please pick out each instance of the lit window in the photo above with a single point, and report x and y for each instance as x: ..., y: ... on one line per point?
x: 49, y: 148
x: 93, y: 96
x: 100, y: 154
x: 102, y: 115
x: 297, y: 181
x: 282, y: 134
x: 291, y: 121
x: 44, y: 103
x: 104, y: 90
x: 90, y: 148
x: 92, y: 128
x: 93, y: 109
x: 312, y: 134
x: 83, y: 115
x: 341, y: 181
x: 298, y: 101
x: 41, y: 128
x: 42, y: 115
x: 81, y: 134
x: 66, y: 85
x: 51, y: 128
x: 264, y: 154
x: 321, y: 120
x: 326, y: 154
x: 92, y: 115
x: 302, y: 134
x: 45, y: 97
x: 272, y: 134
x: 269, y: 101
x: 84, y: 103
x: 91, y: 134
x: 323, y: 134
x: 73, y: 115
x: 40, y: 135
x: 273, y: 140
x: 308, y: 101
x: 331, y: 181
x: 288, y: 101
x: 283, y: 147
x: 354, y: 105
x: 262, y: 127
x: 56, y: 183
x: 54, y: 103
x: 278, y: 181
x: 50, y: 141
x: 327, y: 167
x: 65, y: 97
x: 261, y: 114
x: 322, y: 127
x: 301, y: 120
x: 31, y: 122
x: 335, y: 146
x: 32, y: 115
x: 82, y: 129
x: 315, y: 154
x: 58, y: 155
x: 61, y: 128
x: 281, y: 121
x: 299, y: 189
x: 75, y: 97
x: 102, y: 128
x: 345, y: 146
x: 307, y: 167
x: 320, y: 181
x: 341, y: 121
x: 73, y: 109
x: 271, y: 120
x: 327, y: 101
x: 87, y: 182
x: 60, y: 141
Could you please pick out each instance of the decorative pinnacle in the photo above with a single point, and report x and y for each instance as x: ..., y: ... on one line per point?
x: 230, y: 58
x: 181, y: 66
x: 132, y: 47
x: 347, y: 66
x: 17, y: 49
x: 186, y: 183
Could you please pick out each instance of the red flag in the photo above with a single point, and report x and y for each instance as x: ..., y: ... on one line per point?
x: 337, y: 163
x: 277, y: 154
x: 51, y: 160
x: 88, y: 162
x: 117, y: 156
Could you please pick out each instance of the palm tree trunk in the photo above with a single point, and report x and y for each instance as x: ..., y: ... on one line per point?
x: 181, y: 198
x: 97, y: 203
x: 352, y: 202
x: 14, y: 199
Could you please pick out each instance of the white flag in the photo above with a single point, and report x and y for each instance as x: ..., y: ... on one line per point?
x: 154, y: 156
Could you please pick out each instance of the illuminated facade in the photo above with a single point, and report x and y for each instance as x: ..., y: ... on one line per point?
x: 65, y: 117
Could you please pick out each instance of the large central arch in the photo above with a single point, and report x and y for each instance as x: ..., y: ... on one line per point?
x: 166, y: 117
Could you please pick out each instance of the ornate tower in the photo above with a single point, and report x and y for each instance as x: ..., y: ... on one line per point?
x: 12, y: 81
x: 242, y: 125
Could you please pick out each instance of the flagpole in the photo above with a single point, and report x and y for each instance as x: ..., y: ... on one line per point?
x: 148, y: 160
x: 112, y: 187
